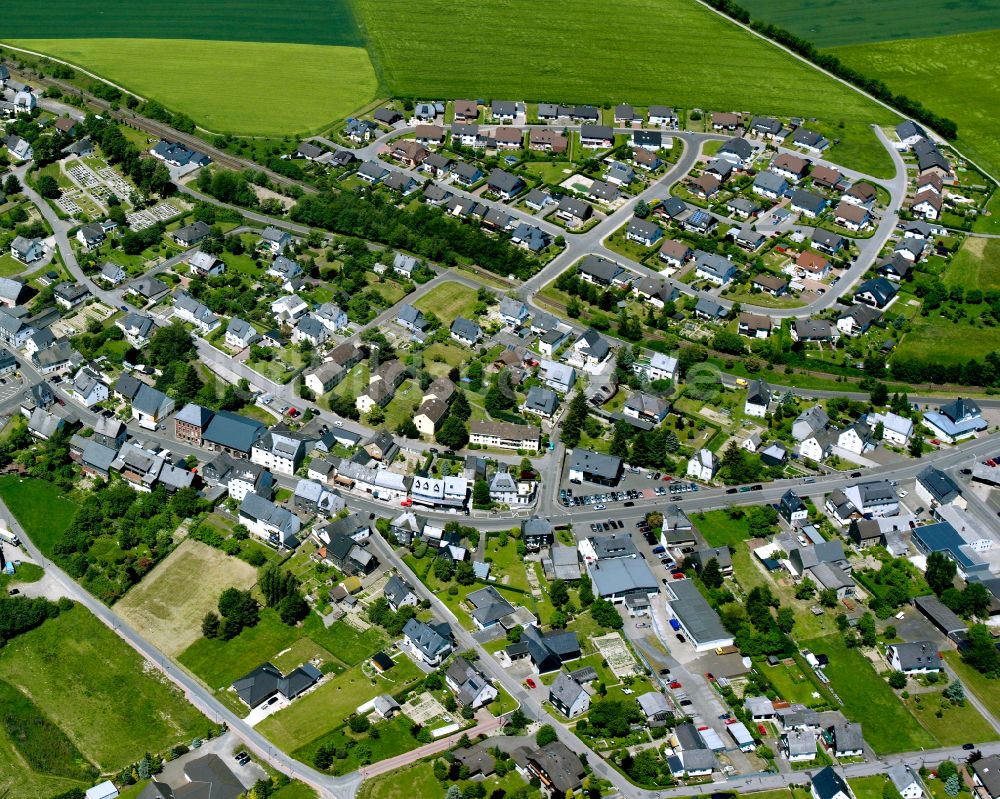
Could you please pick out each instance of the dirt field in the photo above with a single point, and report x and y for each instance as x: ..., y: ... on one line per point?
x: 168, y: 606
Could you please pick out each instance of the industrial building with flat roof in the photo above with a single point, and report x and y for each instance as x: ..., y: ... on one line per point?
x: 697, y: 618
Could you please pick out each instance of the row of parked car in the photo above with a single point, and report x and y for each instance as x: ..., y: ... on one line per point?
x: 568, y: 500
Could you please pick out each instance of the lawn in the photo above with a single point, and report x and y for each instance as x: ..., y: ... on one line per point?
x: 168, y: 605
x: 857, y: 21
x: 39, y: 507
x: 991, y: 223
x: 417, y: 780
x: 956, y: 725
x: 414, y: 59
x: 975, y: 265
x: 221, y: 84
x: 719, y: 530
x: 447, y: 301
x: 868, y: 699
x: 219, y: 662
x: 9, y: 266
x: 851, y: 147
x: 403, y: 404
x: 986, y: 690
x: 343, y: 641
x: 955, y: 76
x: 99, y: 690
x: 354, y: 382
x: 868, y: 787
x: 792, y: 683
x: 327, y: 706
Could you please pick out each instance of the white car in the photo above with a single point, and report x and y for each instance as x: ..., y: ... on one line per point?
x: 600, y: 507
x: 338, y: 423
x: 903, y: 494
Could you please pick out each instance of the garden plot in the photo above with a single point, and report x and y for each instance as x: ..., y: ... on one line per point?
x: 613, y: 649
x: 423, y: 708
x: 78, y: 322
x: 116, y: 183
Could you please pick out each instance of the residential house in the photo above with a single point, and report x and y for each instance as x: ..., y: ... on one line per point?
x: 754, y: 325
x: 555, y: 765
x: 203, y: 264
x: 137, y: 328
x: 411, y: 153
x: 676, y: 253
x: 541, y: 402
x: 738, y: 151
x: 852, y: 217
x: 278, y: 451
x: 877, y: 292
x: 594, y: 467
x: 573, y: 211
x: 547, y: 140
x: 284, y: 269
x: 792, y: 509
x: 70, y: 295
x: 593, y: 137
x: 758, y: 399
x: 643, y: 231
x: 661, y: 115
x: 702, y: 466
x: 918, y: 657
x: 569, y: 697
x: 791, y: 167
x: 309, y: 329
x: 88, y: 387
x: 190, y: 235
x: 589, y: 351
x: 825, y: 177
x: 465, y: 332
x: 431, y: 643
x: 240, y: 334
x: 91, y: 235
x: 806, y: 203
x: 190, y: 310
x: 857, y: 319
x: 895, y: 429
x: 848, y: 741
x: 906, y: 781
x: 825, y: 241
x: 715, y: 268
x: 812, y: 265
x: 151, y: 406
x: 472, y: 688
x: 808, y: 139
x: 646, y: 409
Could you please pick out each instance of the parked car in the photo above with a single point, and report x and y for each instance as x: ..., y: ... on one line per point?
x: 675, y: 684
x: 530, y: 683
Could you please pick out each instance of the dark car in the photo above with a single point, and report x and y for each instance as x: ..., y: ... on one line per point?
x: 681, y: 638
x: 967, y: 747
x: 630, y: 504
x: 731, y: 490
x: 685, y: 702
x: 855, y: 474
x: 664, y: 671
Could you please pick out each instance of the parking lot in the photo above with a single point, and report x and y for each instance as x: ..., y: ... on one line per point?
x: 10, y: 386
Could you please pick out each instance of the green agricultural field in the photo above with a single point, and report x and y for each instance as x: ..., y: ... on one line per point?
x: 329, y: 22
x: 955, y: 76
x: 868, y: 699
x: 85, y: 694
x: 707, y: 57
x: 39, y: 507
x: 227, y: 86
x: 857, y: 21
x: 975, y: 265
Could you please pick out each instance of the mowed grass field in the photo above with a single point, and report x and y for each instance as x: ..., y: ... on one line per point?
x: 98, y: 690
x: 976, y: 265
x: 447, y: 301
x: 868, y: 699
x: 256, y: 88
x: 167, y: 606
x: 604, y: 53
x: 828, y: 24
x: 39, y: 507
x: 956, y: 76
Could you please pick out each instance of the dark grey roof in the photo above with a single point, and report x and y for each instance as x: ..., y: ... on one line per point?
x: 828, y: 783
x: 597, y: 463
x: 939, y: 485
x: 741, y: 148
x: 233, y: 431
